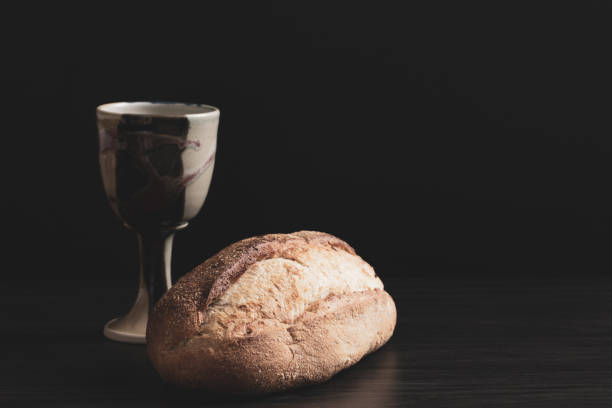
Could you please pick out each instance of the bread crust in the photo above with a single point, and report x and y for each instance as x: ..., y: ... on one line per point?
x: 332, y: 335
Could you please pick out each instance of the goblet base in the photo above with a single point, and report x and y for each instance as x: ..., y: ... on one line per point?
x: 114, y: 330
x: 131, y: 328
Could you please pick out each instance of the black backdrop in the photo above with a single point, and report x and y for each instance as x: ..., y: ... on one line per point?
x: 437, y: 138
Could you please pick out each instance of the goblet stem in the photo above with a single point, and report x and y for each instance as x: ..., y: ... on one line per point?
x: 155, y: 248
x: 155, y: 262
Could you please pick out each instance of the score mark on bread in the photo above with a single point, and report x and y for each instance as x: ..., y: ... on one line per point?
x: 270, y: 313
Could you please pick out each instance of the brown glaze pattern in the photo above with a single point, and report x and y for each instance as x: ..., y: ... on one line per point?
x: 143, y: 170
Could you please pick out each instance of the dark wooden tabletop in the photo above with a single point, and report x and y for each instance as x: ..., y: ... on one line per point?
x: 462, y: 340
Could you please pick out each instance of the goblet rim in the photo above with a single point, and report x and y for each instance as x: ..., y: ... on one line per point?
x: 118, y: 109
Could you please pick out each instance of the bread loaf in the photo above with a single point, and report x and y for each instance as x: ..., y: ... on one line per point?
x: 270, y: 313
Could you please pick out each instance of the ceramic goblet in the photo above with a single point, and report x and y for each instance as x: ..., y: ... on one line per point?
x: 157, y: 163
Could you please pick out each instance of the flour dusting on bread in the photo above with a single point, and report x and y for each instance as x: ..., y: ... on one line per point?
x: 283, y: 289
x: 270, y: 313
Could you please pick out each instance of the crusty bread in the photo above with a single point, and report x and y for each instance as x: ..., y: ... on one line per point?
x: 270, y: 313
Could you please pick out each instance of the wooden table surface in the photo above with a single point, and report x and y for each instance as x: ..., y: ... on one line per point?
x: 461, y: 341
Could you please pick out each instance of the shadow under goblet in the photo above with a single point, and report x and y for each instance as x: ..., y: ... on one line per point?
x: 157, y: 163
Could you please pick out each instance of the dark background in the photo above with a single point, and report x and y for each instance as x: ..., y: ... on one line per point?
x: 464, y: 150
x: 474, y: 136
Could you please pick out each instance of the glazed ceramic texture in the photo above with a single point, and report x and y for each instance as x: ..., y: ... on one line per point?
x: 157, y: 162
x: 156, y: 168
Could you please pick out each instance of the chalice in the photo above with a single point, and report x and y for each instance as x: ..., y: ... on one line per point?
x: 157, y: 163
